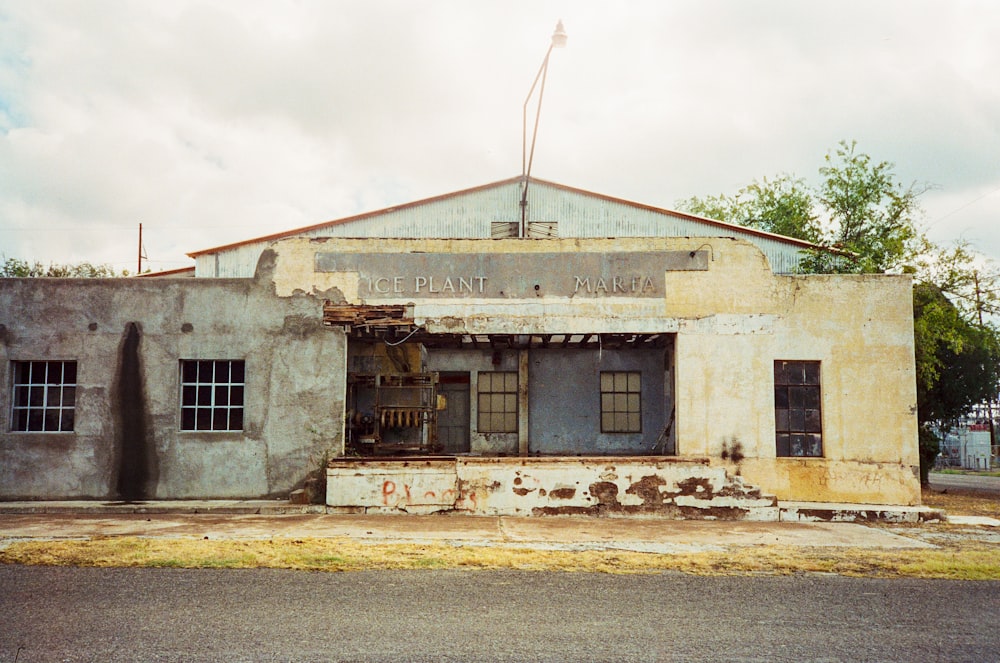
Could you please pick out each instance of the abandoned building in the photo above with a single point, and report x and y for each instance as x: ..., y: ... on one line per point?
x: 481, y: 351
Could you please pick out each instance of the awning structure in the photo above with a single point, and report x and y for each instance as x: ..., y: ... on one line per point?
x: 395, y: 324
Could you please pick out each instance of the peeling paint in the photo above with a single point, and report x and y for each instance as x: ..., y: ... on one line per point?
x: 648, y: 489
x: 541, y: 486
x: 695, y: 486
x: 605, y: 492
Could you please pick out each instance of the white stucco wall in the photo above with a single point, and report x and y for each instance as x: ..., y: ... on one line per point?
x: 732, y: 320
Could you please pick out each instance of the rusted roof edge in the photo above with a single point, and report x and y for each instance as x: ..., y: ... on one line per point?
x: 694, y: 217
x: 732, y: 227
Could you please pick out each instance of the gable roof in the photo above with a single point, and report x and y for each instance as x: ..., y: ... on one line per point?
x: 717, y: 227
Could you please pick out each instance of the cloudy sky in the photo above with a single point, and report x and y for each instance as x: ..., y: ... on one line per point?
x: 215, y: 121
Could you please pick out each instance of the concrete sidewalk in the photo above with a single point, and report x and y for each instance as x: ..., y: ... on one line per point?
x: 262, y: 519
x: 787, y: 511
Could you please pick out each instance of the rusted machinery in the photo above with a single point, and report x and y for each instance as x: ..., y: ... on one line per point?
x: 392, y: 414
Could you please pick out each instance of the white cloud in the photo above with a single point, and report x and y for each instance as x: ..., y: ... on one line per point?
x: 211, y: 122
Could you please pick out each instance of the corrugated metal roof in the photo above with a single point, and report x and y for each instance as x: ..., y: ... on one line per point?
x: 180, y: 271
x: 470, y: 214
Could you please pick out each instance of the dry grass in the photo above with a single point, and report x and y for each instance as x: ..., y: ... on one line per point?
x: 958, y: 501
x: 967, y: 561
x: 960, y: 559
x: 979, y: 473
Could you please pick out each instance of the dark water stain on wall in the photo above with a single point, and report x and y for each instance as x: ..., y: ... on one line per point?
x: 137, y: 462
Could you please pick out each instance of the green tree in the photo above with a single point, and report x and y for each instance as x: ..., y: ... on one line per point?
x: 783, y: 205
x: 957, y: 355
x: 14, y: 267
x: 970, y: 281
x: 860, y: 214
x: 957, y: 366
x: 871, y: 215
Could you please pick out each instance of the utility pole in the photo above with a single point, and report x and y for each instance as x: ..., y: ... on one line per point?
x: 139, y: 270
x: 989, y: 400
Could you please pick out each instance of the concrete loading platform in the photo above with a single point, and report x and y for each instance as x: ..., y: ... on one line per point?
x: 647, y: 486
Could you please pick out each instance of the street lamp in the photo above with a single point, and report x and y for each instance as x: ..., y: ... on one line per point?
x: 558, y: 41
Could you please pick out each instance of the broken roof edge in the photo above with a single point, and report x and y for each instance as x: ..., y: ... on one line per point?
x: 732, y: 227
x: 179, y: 271
x: 694, y: 217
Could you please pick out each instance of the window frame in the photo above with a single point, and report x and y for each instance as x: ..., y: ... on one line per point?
x: 205, y: 399
x: 47, y: 402
x: 798, y: 408
x: 502, y: 402
x: 620, y: 391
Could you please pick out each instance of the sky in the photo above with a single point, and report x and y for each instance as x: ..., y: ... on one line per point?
x: 211, y: 122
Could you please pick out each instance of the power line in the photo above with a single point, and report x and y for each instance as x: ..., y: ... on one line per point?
x: 90, y: 226
x: 962, y: 207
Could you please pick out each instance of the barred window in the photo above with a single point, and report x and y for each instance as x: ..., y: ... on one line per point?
x: 798, y: 423
x: 44, y: 397
x: 621, y: 398
x: 212, y: 394
x: 497, y: 402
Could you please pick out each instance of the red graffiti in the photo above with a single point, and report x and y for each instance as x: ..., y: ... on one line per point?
x: 389, y: 491
x: 393, y: 497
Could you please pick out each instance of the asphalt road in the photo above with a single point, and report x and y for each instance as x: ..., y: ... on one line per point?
x: 69, y: 614
x: 965, y: 481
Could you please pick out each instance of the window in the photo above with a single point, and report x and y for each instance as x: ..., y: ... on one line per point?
x: 212, y: 395
x: 44, y: 396
x: 497, y: 402
x: 621, y: 395
x: 797, y: 422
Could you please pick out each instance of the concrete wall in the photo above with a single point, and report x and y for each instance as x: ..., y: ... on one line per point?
x: 293, y: 398
x: 474, y: 362
x: 860, y: 329
x: 733, y: 318
x: 621, y: 486
x: 565, y: 412
x: 564, y: 403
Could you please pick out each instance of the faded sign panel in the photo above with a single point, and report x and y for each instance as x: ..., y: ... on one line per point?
x: 512, y: 275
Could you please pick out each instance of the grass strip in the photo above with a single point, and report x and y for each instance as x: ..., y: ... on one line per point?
x: 966, y: 561
x: 973, y: 473
x: 957, y: 501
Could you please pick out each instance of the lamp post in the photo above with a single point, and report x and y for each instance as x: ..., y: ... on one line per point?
x: 558, y: 41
